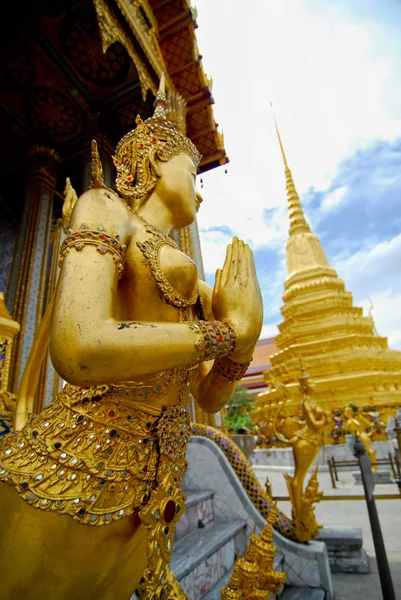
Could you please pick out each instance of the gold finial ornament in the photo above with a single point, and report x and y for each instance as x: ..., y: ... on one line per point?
x: 298, y: 221
x: 70, y: 200
x: 97, y: 168
x: 254, y: 577
x: 232, y: 591
x: 152, y: 141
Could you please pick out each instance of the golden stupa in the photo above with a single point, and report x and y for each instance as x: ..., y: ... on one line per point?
x: 349, y: 363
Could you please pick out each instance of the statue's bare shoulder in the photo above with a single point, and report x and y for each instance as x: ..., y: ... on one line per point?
x: 101, y: 208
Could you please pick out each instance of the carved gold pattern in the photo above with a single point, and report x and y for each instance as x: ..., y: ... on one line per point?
x: 94, y: 453
x: 110, y: 32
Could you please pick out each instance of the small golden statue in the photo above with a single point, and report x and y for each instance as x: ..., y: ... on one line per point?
x: 305, y: 443
x: 254, y: 577
x: 90, y: 490
x: 359, y: 426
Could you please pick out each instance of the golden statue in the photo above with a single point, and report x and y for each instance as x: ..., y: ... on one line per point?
x: 254, y: 577
x: 358, y: 425
x: 306, y: 443
x: 91, y: 485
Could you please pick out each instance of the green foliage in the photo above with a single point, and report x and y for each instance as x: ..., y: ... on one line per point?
x: 239, y: 410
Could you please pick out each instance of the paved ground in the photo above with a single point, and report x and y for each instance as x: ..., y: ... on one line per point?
x: 353, y: 512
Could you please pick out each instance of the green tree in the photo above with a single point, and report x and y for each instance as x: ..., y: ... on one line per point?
x: 239, y: 409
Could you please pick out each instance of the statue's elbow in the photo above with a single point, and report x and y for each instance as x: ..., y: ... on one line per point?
x: 72, y: 358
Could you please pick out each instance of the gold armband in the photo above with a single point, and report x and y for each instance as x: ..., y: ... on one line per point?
x: 216, y: 339
x: 103, y: 242
x: 230, y: 369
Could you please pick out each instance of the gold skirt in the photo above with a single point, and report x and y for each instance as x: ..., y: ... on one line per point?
x: 93, y: 454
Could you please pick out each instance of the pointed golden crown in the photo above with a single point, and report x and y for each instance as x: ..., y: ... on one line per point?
x: 153, y: 140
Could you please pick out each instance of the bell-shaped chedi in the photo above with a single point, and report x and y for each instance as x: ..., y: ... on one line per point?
x: 348, y: 361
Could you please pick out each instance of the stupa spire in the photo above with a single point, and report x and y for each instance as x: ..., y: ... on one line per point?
x: 298, y: 222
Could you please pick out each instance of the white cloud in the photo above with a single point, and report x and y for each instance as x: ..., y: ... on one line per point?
x: 332, y: 200
x: 373, y: 276
x: 269, y: 331
x: 330, y: 73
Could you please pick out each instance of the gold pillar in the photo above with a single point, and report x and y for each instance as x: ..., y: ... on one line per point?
x: 28, y: 280
x: 8, y: 329
x: 50, y: 382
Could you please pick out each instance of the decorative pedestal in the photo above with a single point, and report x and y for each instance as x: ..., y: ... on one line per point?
x: 344, y: 546
x: 378, y: 477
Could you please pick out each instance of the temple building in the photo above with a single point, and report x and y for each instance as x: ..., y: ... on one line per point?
x: 326, y: 334
x: 254, y: 380
x: 72, y: 72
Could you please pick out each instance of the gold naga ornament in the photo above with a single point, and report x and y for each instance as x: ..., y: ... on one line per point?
x: 306, y: 443
x: 98, y: 472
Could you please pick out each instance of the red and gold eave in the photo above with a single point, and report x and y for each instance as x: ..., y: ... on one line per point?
x: 176, y: 23
x: 253, y: 380
x: 58, y: 88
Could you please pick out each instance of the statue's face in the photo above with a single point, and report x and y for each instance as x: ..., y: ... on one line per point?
x: 177, y: 189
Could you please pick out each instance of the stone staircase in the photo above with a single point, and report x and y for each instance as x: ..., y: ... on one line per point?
x: 217, y: 524
x: 205, y: 547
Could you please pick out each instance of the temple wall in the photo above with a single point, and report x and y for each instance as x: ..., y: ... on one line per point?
x: 8, y: 234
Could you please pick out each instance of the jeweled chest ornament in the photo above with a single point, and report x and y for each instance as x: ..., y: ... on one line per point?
x: 151, y: 251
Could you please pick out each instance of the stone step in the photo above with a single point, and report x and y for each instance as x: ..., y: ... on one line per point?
x: 341, y: 537
x: 201, y: 558
x: 302, y: 594
x: 199, y: 512
x: 344, y: 547
x: 215, y: 592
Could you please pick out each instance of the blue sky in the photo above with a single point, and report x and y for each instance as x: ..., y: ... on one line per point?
x: 333, y: 72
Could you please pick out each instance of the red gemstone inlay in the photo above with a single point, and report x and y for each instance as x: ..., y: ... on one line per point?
x: 111, y: 413
x: 141, y: 145
x: 169, y: 511
x: 220, y: 337
x: 116, y: 162
x: 102, y: 237
x: 154, y: 140
x: 78, y: 235
x: 129, y: 178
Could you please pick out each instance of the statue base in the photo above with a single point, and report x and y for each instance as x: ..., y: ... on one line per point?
x: 344, y: 546
x: 379, y: 477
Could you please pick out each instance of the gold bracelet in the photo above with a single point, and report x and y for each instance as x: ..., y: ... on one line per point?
x: 216, y: 339
x: 230, y: 369
x: 103, y: 242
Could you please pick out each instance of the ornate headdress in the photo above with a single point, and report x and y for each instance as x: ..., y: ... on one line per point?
x: 155, y: 139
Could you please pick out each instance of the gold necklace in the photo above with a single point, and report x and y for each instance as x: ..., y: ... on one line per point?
x: 150, y: 249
